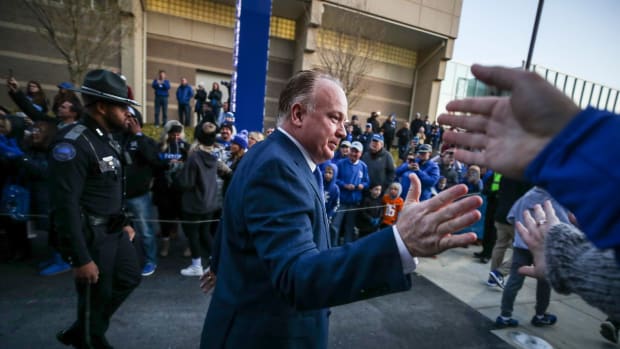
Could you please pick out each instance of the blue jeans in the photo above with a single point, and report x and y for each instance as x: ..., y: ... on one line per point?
x: 142, y: 209
x: 185, y: 114
x: 402, y: 152
x: 161, y: 102
x: 343, y: 215
x: 522, y: 257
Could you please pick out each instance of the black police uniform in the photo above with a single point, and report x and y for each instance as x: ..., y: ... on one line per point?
x: 86, y: 190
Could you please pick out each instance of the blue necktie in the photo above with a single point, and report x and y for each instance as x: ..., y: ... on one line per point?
x: 318, y: 176
x: 324, y: 239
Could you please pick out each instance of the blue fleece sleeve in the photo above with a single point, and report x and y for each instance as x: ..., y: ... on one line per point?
x: 428, y: 177
x: 580, y: 169
x: 401, y: 169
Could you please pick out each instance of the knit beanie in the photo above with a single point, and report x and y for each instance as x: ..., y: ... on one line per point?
x: 240, y: 141
x: 205, y: 133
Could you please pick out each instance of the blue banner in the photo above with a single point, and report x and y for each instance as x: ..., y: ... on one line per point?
x: 250, y: 58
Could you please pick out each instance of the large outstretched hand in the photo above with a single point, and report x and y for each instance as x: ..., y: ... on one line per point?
x: 426, y: 227
x: 506, y: 133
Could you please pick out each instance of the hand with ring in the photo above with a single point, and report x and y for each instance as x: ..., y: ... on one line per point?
x: 207, y: 280
x: 533, y: 233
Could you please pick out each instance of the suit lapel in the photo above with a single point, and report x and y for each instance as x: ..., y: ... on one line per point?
x: 323, y: 239
x: 320, y: 196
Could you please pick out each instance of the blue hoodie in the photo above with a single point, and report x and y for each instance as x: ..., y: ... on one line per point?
x: 356, y: 174
x: 428, y: 175
x: 332, y: 192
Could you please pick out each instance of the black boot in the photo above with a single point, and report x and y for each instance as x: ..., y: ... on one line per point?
x: 71, y: 336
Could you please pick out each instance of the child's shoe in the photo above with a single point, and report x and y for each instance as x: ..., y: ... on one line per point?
x: 501, y: 322
x: 544, y: 320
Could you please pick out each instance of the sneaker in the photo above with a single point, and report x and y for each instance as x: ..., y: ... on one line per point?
x: 55, y: 269
x: 148, y: 269
x: 46, y: 263
x: 192, y: 270
x: 500, y: 322
x: 546, y: 320
x: 496, y: 279
x: 609, y: 331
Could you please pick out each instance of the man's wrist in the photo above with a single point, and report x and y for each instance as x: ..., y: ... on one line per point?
x: 409, y: 262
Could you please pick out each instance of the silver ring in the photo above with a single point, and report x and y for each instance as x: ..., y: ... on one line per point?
x: 541, y: 222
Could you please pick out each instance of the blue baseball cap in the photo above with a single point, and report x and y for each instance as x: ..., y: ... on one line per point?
x: 65, y: 85
x: 377, y: 137
x: 424, y: 148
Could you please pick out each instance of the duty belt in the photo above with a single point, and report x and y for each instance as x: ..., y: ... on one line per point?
x: 95, y: 221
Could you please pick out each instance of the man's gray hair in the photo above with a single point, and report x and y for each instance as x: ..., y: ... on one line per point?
x: 300, y: 89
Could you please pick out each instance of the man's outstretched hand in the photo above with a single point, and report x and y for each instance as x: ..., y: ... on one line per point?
x: 426, y: 227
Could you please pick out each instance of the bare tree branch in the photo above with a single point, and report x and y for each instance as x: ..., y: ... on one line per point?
x: 349, y: 57
x: 85, y: 32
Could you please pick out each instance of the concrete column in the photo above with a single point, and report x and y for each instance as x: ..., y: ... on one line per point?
x: 427, y: 81
x: 307, y: 34
x: 133, y: 50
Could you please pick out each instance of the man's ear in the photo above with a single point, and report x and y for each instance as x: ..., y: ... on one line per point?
x: 100, y: 107
x: 297, y: 114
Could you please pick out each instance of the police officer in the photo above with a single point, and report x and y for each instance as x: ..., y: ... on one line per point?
x: 86, y: 175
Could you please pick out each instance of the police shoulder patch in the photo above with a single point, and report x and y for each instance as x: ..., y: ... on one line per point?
x: 63, y: 151
x: 75, y: 132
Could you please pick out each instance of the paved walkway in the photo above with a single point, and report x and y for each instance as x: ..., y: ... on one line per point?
x: 462, y: 276
x: 167, y: 310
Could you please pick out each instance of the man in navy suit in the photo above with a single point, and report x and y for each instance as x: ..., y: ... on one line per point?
x: 276, y: 273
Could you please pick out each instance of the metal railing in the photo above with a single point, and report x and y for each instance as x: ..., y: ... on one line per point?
x: 459, y: 83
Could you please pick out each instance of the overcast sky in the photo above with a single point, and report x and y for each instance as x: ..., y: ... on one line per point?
x: 576, y: 37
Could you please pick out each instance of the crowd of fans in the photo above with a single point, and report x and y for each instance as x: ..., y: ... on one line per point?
x: 175, y: 184
x: 364, y: 187
x: 178, y: 183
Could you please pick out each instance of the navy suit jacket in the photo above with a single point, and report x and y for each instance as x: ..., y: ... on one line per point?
x: 276, y: 274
